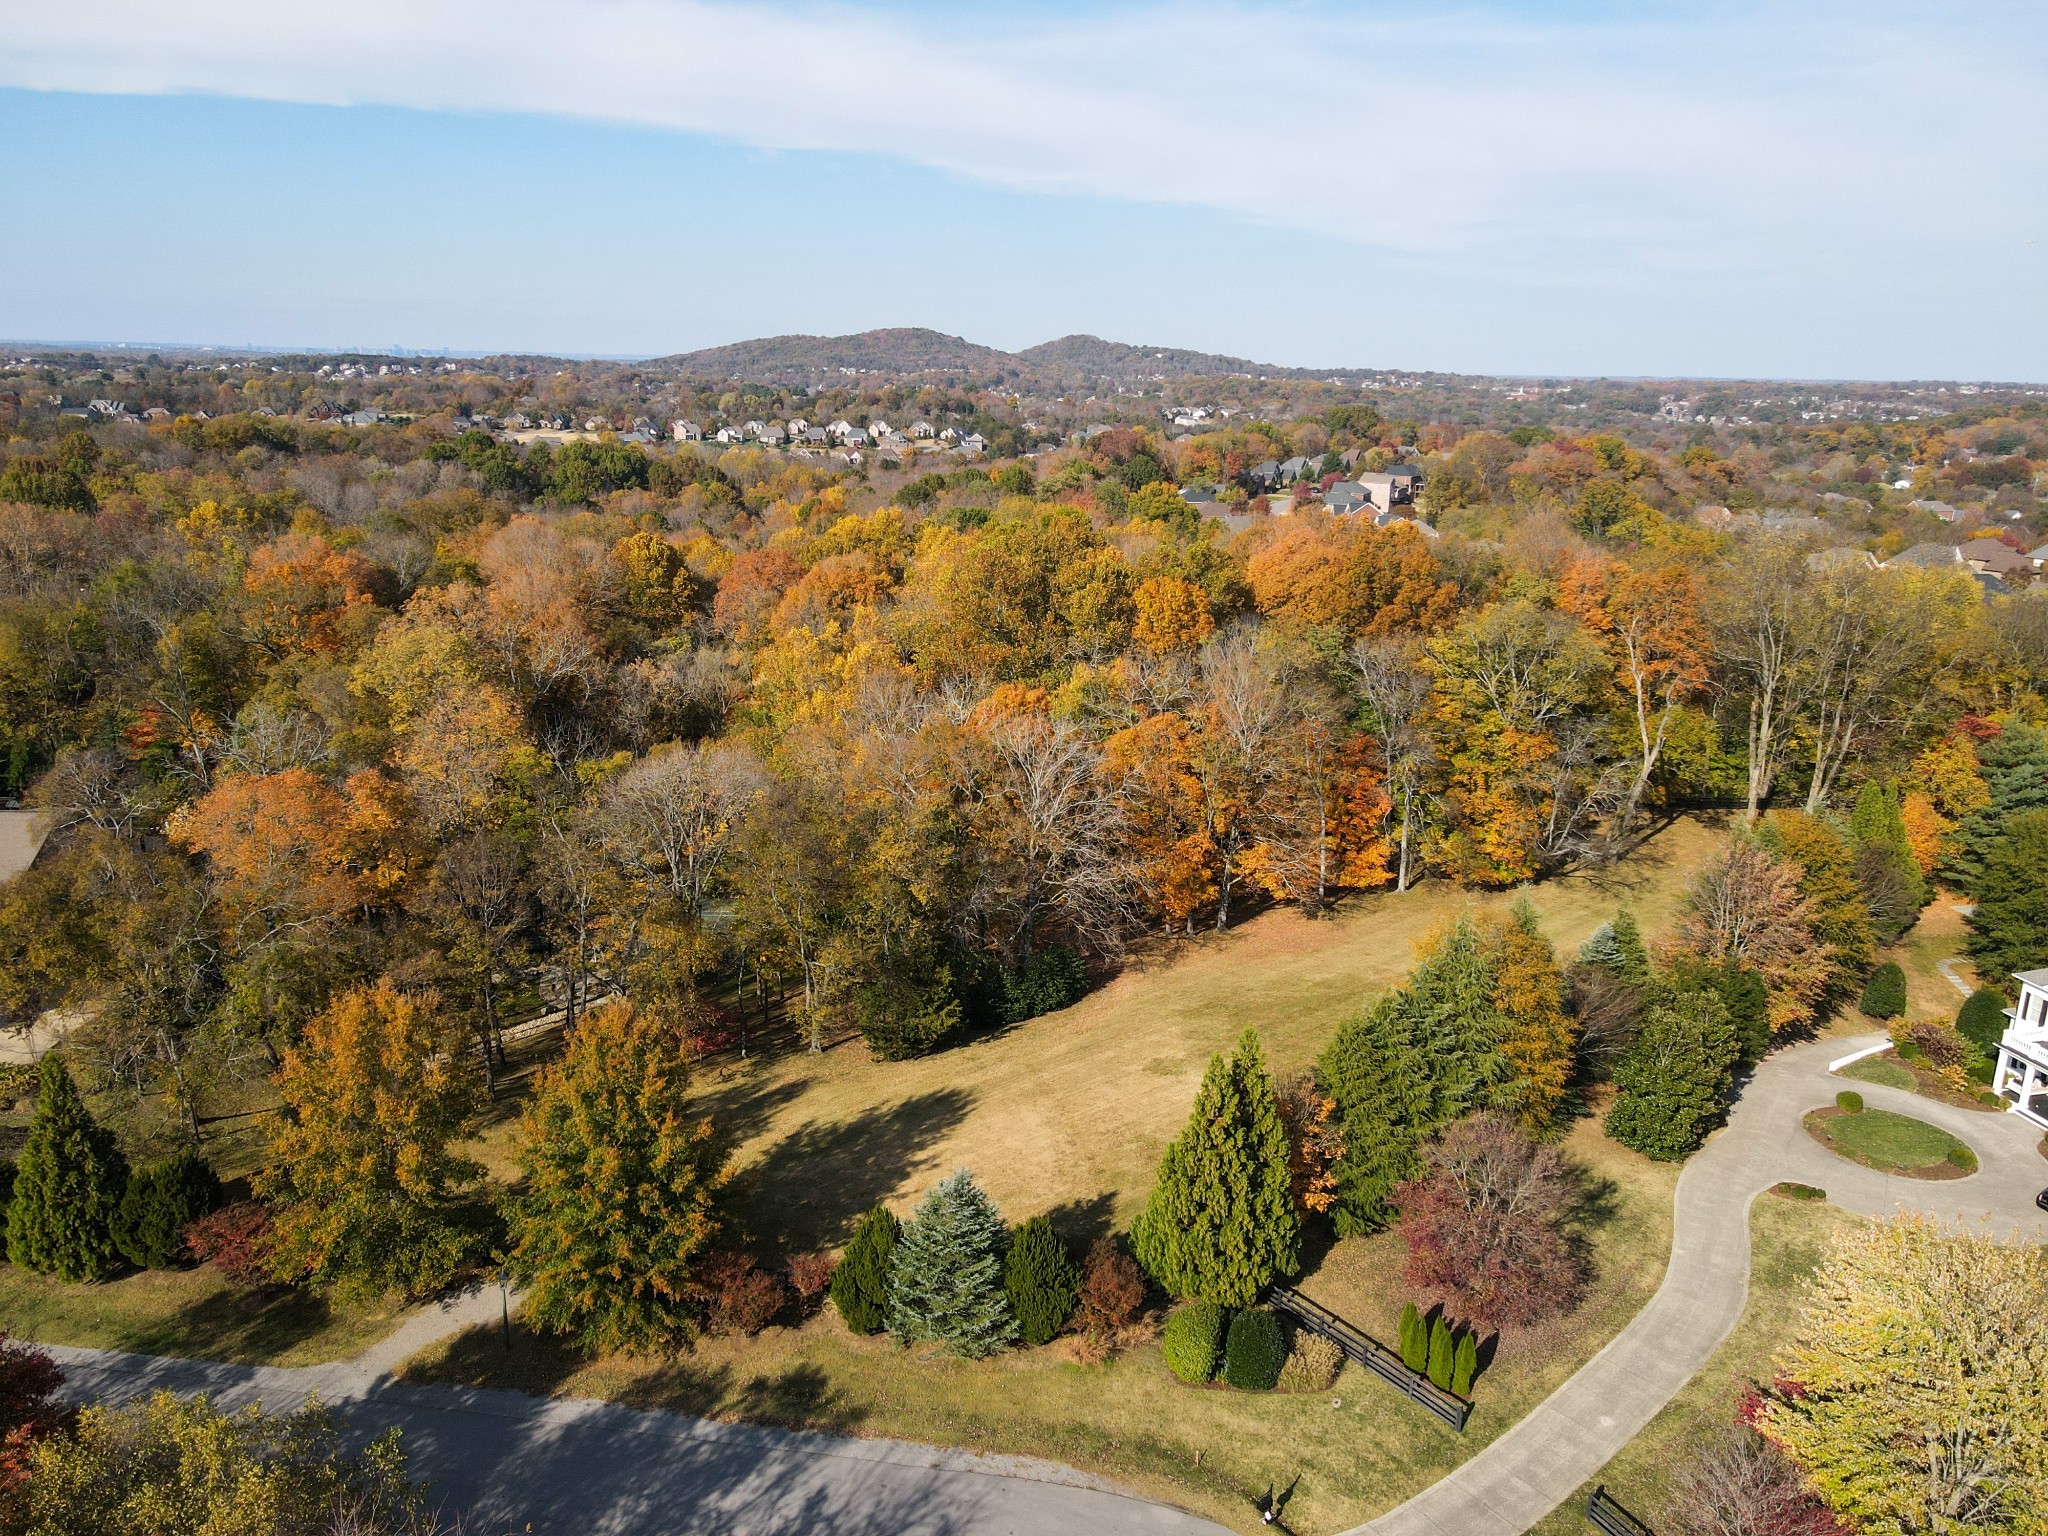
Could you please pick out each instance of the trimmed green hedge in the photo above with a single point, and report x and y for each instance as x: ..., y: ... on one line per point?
x: 1254, y: 1352
x: 1191, y: 1340
x: 1849, y: 1102
x: 1884, y: 995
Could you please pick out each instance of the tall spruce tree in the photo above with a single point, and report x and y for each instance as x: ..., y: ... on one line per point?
x: 1618, y: 949
x: 946, y: 1277
x: 2015, y: 768
x: 2009, y: 924
x: 68, y: 1185
x: 1674, y: 1081
x: 1222, y: 1222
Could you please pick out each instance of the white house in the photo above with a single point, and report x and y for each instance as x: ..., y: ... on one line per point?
x: 2022, y: 1075
x: 686, y: 431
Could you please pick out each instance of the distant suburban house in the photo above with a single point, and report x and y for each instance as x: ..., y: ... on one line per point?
x: 798, y: 426
x: 1995, y: 557
x: 368, y: 416
x: 1199, y: 495
x: 1265, y: 476
x: 921, y: 429
x: 854, y: 437
x: 773, y: 435
x: 2021, y: 1077
x: 950, y: 435
x: 686, y: 431
x: 879, y: 429
x: 732, y: 434
x: 840, y: 428
x: 596, y: 424
x: 1940, y: 509
x: 1347, y: 497
x: 1295, y: 468
x: 1928, y: 557
x: 1388, y: 489
x: 974, y: 442
x: 753, y: 428
x: 816, y: 437
x: 156, y: 413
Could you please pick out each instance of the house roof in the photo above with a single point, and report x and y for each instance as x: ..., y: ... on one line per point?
x: 1927, y: 556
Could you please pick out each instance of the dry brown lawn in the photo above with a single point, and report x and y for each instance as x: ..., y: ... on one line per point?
x: 1071, y: 1111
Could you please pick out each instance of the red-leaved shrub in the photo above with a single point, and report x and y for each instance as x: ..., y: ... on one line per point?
x: 236, y: 1240
x: 1112, y: 1291
x: 1743, y: 1483
x: 744, y: 1296
x: 1484, y: 1223
x: 809, y: 1275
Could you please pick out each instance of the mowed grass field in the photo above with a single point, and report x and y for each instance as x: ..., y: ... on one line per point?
x: 1069, y: 1113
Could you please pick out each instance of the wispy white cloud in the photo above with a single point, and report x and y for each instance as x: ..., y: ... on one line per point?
x: 1678, y: 136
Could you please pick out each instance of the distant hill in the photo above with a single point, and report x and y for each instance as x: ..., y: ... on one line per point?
x: 900, y: 350
x: 1093, y: 357
x: 909, y: 351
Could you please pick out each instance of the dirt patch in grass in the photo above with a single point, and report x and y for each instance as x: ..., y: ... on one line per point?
x: 1890, y: 1143
x: 1790, y: 1238
x: 192, y: 1314
x: 1358, y: 1448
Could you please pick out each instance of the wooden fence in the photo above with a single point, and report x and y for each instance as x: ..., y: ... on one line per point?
x: 1372, y: 1354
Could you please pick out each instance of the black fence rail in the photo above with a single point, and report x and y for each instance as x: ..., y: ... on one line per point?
x: 1373, y: 1355
x: 1610, y: 1517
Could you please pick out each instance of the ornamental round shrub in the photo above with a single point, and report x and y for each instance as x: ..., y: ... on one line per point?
x: 1963, y: 1158
x: 1884, y: 995
x: 1191, y: 1339
x: 160, y: 1203
x: 1849, y: 1102
x: 1981, y: 1020
x: 1253, y: 1352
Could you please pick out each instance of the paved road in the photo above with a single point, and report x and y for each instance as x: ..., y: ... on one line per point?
x: 1573, y: 1433
x: 580, y: 1468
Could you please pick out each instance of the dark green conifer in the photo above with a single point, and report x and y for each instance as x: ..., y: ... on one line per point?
x: 1981, y: 1020
x: 67, y: 1188
x: 2009, y: 926
x: 1222, y: 1222
x: 860, y: 1281
x: 1675, y: 1079
x: 161, y: 1202
x: 1441, y: 1353
x: 1465, y: 1363
x: 1414, y: 1339
x: 2015, y: 768
x: 1884, y: 995
x: 1042, y: 1281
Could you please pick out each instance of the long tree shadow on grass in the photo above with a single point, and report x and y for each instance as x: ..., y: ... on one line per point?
x: 251, y: 1326
x: 808, y: 1189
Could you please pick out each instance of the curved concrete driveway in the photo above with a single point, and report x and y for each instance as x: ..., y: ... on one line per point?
x: 510, y: 1462
x: 1574, y: 1432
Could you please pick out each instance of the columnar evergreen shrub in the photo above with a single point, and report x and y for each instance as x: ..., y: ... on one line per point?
x: 1465, y: 1363
x: 1675, y: 1079
x: 1222, y: 1221
x: 1442, y: 1353
x: 860, y: 1282
x: 1042, y: 1281
x: 1981, y: 1020
x: 161, y: 1202
x: 1192, y: 1340
x: 946, y: 1278
x: 68, y: 1185
x: 1414, y: 1339
x: 1884, y: 995
x: 1253, y: 1351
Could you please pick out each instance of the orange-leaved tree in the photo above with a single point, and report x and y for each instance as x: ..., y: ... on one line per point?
x: 362, y: 1173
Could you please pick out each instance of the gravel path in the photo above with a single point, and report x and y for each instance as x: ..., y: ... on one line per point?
x: 1573, y: 1433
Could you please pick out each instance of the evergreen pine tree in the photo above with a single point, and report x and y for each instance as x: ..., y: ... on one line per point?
x: 1893, y: 887
x: 67, y: 1187
x: 2015, y: 769
x: 1884, y: 995
x: 1674, y: 1080
x: 946, y: 1278
x: 160, y: 1203
x: 1465, y: 1363
x: 860, y: 1281
x: 1222, y: 1222
x: 1381, y: 1082
x: 1042, y: 1281
x: 2009, y: 927
x: 1748, y: 1001
x: 1617, y: 948
x: 1414, y: 1339
x: 1441, y: 1353
x: 1536, y: 1036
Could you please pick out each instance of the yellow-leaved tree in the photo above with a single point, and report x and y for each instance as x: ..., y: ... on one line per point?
x: 362, y: 1174
x: 621, y: 1187
x: 1915, y: 1394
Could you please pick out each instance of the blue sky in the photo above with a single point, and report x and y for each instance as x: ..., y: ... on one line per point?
x: 1812, y: 190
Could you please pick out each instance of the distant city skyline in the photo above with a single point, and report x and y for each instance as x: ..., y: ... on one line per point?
x: 1734, y: 191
